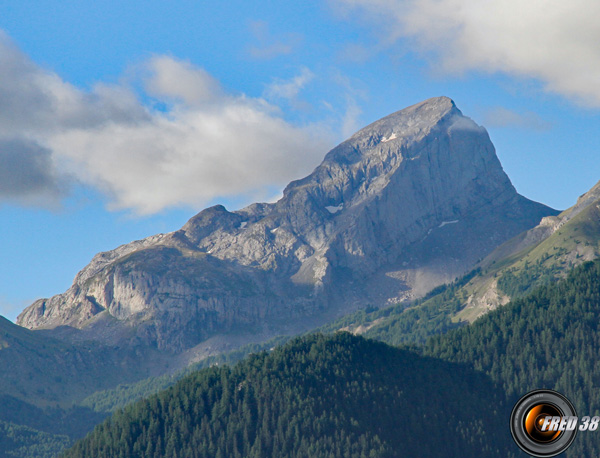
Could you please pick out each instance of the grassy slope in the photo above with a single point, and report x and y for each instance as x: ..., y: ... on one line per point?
x: 572, y: 244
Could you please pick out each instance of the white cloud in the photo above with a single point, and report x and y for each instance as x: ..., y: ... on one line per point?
x: 351, y: 118
x: 289, y: 89
x: 208, y: 144
x: 555, y: 41
x: 181, y: 81
x: 34, y: 101
x: 191, y: 157
x: 353, y: 93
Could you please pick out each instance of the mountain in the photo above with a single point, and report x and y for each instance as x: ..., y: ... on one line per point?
x: 547, y: 339
x: 338, y: 396
x: 323, y: 386
x: 409, y: 202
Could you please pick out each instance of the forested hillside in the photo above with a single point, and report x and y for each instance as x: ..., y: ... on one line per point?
x: 18, y: 441
x: 318, y: 396
x: 549, y: 339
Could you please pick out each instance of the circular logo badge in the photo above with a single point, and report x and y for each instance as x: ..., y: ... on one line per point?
x: 532, y: 427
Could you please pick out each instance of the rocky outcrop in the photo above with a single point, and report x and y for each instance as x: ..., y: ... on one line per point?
x: 410, y: 201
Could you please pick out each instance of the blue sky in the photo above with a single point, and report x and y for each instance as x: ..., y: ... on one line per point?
x: 119, y: 120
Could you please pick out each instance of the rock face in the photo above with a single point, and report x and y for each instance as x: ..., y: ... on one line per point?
x: 410, y: 201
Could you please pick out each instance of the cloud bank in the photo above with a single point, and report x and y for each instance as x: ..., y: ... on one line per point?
x: 555, y: 41
x: 205, y: 143
x: 27, y: 173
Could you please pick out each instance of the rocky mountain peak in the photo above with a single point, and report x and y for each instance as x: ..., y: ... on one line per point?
x: 406, y: 122
x: 408, y: 202
x: 390, y: 136
x: 428, y: 161
x: 399, y: 129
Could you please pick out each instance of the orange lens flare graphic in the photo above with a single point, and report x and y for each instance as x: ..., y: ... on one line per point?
x: 535, y: 419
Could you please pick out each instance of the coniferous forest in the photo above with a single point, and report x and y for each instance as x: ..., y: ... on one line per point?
x: 548, y: 339
x: 318, y: 396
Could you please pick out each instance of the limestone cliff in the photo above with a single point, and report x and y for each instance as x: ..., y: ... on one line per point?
x: 410, y: 201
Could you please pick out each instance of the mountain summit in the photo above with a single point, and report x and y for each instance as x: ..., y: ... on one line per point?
x: 410, y: 201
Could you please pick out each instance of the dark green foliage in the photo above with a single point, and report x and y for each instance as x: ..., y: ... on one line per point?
x: 416, y: 324
x: 24, y: 442
x: 515, y: 283
x: 549, y: 339
x: 335, y: 396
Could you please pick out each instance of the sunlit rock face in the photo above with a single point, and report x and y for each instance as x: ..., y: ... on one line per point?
x: 410, y: 201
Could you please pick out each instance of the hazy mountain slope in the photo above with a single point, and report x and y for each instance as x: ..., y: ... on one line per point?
x: 27, y: 431
x: 107, y: 401
x: 315, y: 397
x: 409, y: 324
x: 43, y: 378
x: 407, y: 203
x: 44, y: 371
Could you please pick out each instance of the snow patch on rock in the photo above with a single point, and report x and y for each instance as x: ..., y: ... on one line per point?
x: 334, y: 210
x: 445, y: 223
